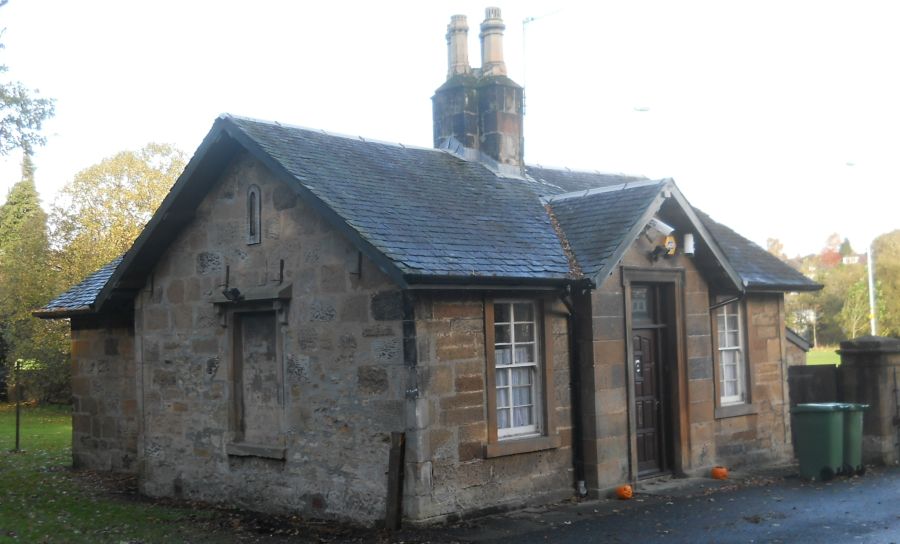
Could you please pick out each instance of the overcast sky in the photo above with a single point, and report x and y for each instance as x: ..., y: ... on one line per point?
x: 778, y: 118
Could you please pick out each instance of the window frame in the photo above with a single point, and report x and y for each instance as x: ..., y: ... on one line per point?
x: 741, y: 404
x: 723, y: 313
x: 254, y: 215
x: 544, y: 435
x: 534, y: 428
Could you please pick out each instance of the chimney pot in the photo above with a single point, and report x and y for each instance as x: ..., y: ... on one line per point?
x: 492, y: 28
x: 457, y: 46
x: 482, y: 112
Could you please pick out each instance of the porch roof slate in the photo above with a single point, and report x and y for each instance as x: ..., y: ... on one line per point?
x: 80, y: 298
x: 759, y: 269
x: 596, y: 224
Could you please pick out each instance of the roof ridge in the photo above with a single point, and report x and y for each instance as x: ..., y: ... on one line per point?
x: 364, y: 139
x: 443, y: 149
x: 605, y: 189
x: 580, y: 171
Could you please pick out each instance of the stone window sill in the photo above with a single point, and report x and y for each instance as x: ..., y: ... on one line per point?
x: 521, y: 445
x: 255, y: 450
x: 735, y: 410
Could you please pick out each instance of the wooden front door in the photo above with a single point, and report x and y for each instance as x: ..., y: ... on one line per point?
x: 649, y: 380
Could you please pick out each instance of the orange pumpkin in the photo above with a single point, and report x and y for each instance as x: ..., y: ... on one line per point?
x: 624, y: 492
x: 720, y: 473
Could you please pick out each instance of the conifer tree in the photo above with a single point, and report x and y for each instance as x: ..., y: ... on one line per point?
x: 27, y: 283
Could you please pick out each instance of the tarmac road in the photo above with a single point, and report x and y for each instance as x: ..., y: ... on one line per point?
x: 770, y: 509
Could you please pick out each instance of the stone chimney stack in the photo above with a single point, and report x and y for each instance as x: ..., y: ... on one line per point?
x: 480, y: 109
x: 458, y: 46
x: 492, y: 43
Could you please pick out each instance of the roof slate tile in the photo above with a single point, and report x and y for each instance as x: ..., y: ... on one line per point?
x: 757, y: 267
x: 81, y: 297
x: 433, y: 214
x: 414, y: 203
x: 596, y: 224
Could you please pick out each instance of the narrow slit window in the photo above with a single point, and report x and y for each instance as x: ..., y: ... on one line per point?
x: 254, y: 222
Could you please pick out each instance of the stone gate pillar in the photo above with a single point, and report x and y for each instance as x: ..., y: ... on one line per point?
x: 870, y: 374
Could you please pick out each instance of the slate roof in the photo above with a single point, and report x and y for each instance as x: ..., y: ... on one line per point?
x: 758, y: 269
x: 425, y: 215
x: 562, y: 180
x: 428, y: 211
x: 80, y: 298
x: 597, y: 223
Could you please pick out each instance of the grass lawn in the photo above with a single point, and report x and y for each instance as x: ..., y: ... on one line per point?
x: 823, y: 355
x: 42, y: 500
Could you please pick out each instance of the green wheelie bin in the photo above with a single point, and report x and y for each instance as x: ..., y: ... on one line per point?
x: 853, y: 427
x: 820, y: 439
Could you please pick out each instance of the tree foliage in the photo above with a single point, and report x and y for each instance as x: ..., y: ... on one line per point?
x: 24, y: 249
x: 100, y: 213
x: 886, y: 253
x: 854, y: 315
x: 841, y: 309
x: 776, y: 248
x: 96, y: 218
x: 22, y: 114
x: 829, y: 302
x: 26, y: 283
x: 831, y: 254
x: 846, y: 249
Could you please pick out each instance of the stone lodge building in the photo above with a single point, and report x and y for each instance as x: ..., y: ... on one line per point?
x: 533, y: 333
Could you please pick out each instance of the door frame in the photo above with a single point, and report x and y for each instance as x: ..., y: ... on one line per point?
x: 680, y: 427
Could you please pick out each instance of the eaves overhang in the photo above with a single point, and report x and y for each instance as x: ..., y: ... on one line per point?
x: 63, y: 313
x: 785, y: 288
x: 488, y: 283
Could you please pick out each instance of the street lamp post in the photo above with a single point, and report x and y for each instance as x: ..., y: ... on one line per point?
x: 870, y: 264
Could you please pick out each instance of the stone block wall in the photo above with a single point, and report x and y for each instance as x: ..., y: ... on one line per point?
x: 604, y: 389
x: 794, y: 355
x: 761, y: 434
x: 447, y: 472
x: 701, y: 391
x: 764, y: 435
x: 868, y: 374
x: 695, y: 444
x: 339, y: 380
x: 352, y: 359
x: 104, y: 395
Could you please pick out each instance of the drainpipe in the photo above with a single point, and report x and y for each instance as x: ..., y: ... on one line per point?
x: 575, y: 384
